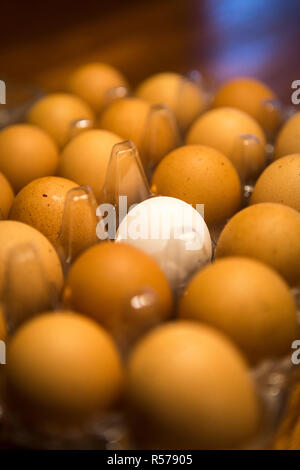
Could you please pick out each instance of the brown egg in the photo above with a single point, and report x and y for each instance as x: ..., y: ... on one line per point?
x: 41, y: 204
x: 85, y: 158
x: 6, y: 197
x: 92, y: 82
x: 288, y: 139
x: 62, y: 364
x: 222, y: 129
x: 249, y: 95
x: 183, y: 97
x: 109, y: 278
x: 127, y: 117
x: 79, y: 224
x: 56, y: 113
x: 269, y: 232
x: 280, y: 182
x: 190, y: 388
x: 26, y: 153
x: 27, y: 261
x: 2, y: 325
x: 246, y: 300
x: 200, y: 175
x: 151, y: 130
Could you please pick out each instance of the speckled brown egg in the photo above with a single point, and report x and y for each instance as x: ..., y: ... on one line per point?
x: 249, y: 95
x: 280, y: 182
x: 132, y: 118
x: 184, y: 97
x: 200, y: 175
x: 91, y: 82
x: 222, y: 129
x: 56, y: 113
x: 288, y: 139
x: 269, y: 232
x: 26, y: 153
x: 248, y: 301
x: 27, y: 261
x: 109, y: 278
x: 41, y: 204
x: 85, y: 158
x: 63, y: 365
x: 188, y: 387
x: 6, y: 197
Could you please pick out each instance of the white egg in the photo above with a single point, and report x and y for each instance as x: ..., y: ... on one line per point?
x: 172, y: 232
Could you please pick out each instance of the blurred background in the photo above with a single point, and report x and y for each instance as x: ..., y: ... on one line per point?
x: 41, y: 41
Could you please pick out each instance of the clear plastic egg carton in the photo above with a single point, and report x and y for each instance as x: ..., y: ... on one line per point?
x: 274, y: 379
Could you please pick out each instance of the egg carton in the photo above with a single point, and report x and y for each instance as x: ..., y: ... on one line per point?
x: 274, y: 379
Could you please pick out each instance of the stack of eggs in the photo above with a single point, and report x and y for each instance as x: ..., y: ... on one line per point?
x: 163, y: 323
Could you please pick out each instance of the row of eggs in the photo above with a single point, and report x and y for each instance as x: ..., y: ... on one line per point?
x: 124, y: 289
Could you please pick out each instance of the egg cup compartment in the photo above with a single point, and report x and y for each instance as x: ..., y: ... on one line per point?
x: 248, y: 156
x: 79, y: 224
x: 125, y: 182
x: 161, y: 135
x: 26, y: 288
x: 79, y: 126
x: 206, y: 82
x: 275, y: 114
x: 275, y: 380
x: 139, y: 315
x: 113, y: 94
x: 106, y: 431
x: 272, y: 115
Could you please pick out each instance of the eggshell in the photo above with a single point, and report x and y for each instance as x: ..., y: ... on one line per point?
x: 14, y: 236
x: 269, y: 232
x: 132, y: 118
x: 63, y: 364
x: 6, y: 196
x: 172, y: 232
x: 91, y: 82
x: 41, y: 205
x: 222, y: 129
x: 246, y: 300
x: 26, y: 153
x: 85, y: 158
x: 249, y: 95
x: 104, y: 279
x: 183, y: 97
x: 200, y: 175
x: 288, y: 139
x: 56, y: 112
x: 127, y: 117
x: 280, y: 182
x: 189, y: 388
